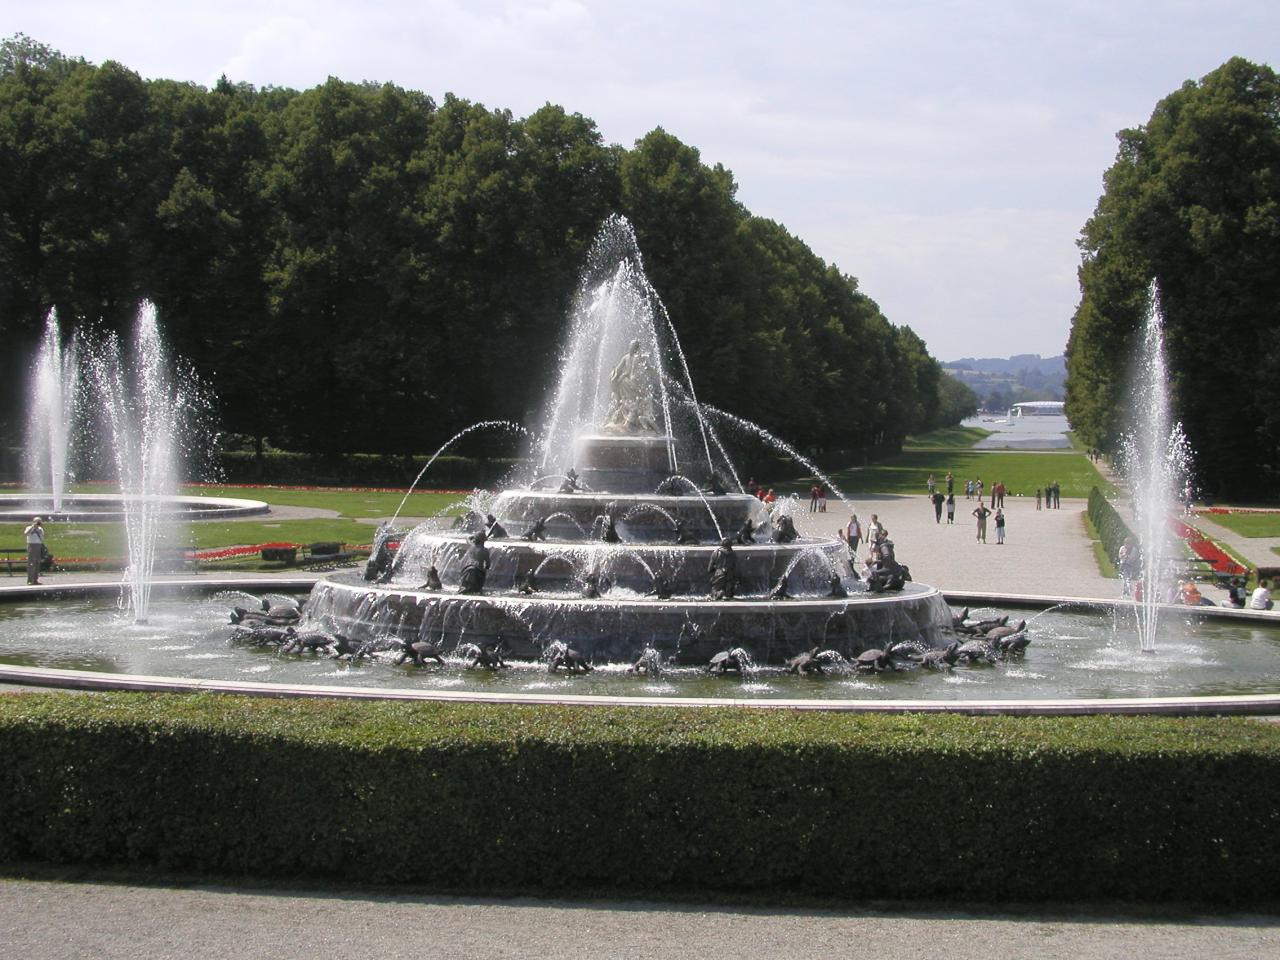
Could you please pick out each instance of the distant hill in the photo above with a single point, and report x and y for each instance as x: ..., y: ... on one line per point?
x: 1000, y: 382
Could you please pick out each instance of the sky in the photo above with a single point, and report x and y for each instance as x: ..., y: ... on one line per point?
x: 947, y: 154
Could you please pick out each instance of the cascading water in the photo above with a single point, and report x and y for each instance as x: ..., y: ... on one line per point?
x: 55, y: 382
x: 144, y: 409
x: 1156, y: 463
x: 617, y: 313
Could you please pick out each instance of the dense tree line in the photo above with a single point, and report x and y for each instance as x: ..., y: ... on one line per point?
x: 360, y: 267
x: 1193, y: 204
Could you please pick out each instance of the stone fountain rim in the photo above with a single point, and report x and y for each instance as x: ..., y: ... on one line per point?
x: 1231, y: 704
x: 177, y: 507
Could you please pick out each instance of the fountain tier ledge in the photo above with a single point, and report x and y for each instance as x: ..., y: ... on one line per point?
x: 617, y: 629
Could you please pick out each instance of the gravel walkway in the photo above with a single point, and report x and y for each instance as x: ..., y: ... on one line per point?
x: 1045, y: 551
x: 57, y: 921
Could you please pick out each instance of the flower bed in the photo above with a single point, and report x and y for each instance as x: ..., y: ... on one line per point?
x: 1206, y: 549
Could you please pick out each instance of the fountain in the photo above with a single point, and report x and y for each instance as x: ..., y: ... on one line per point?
x: 609, y: 547
x: 55, y: 384
x: 1156, y: 461
x: 622, y: 535
x: 71, y: 382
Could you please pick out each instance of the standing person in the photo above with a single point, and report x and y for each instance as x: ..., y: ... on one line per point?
x: 932, y: 485
x: 999, y: 526
x: 1037, y: 498
x: 968, y: 489
x: 1261, y: 599
x: 997, y: 494
x: 813, y: 499
x: 951, y: 483
x: 951, y: 508
x: 853, y: 533
x: 1057, y: 495
x: 35, y: 549
x: 1126, y: 565
x: 977, y: 488
x: 981, y: 513
x: 874, y: 529
x: 822, y: 499
x: 938, y: 500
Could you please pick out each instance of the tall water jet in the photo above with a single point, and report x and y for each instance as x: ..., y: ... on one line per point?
x: 143, y: 410
x: 1156, y: 460
x: 55, y: 383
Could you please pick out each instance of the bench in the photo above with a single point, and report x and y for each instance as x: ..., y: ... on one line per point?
x: 286, y: 555
x: 326, y: 551
x: 12, y: 557
x: 176, y: 558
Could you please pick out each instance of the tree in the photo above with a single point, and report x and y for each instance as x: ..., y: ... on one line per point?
x: 1193, y: 204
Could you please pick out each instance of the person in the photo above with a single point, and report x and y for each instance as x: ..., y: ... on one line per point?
x: 770, y: 497
x: 1237, y: 595
x: 752, y: 486
x: 981, y: 513
x: 822, y: 498
x: 874, y: 530
x: 1057, y: 495
x: 997, y: 494
x: 813, y: 499
x: 999, y: 525
x: 977, y: 488
x: 951, y: 483
x: 35, y: 549
x: 938, y: 500
x: 932, y: 485
x: 853, y: 533
x: 1189, y: 595
x: 951, y: 508
x: 1037, y: 498
x: 1126, y: 564
x: 1261, y: 599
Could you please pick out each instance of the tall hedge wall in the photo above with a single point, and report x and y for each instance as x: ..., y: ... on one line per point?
x: 1112, y: 530
x: 645, y: 801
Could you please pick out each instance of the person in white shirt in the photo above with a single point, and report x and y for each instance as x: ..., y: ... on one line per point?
x: 35, y: 550
x: 1261, y: 599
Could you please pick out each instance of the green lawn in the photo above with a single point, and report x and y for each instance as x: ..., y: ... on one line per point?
x: 947, y: 438
x: 106, y: 540
x: 348, y: 503
x: 1248, y: 524
x: 1022, y: 473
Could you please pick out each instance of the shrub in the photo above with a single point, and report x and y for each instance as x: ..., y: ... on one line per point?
x: 654, y: 802
x: 1112, y: 530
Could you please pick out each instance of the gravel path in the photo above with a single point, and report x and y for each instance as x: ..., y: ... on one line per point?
x: 1045, y: 551
x: 60, y: 921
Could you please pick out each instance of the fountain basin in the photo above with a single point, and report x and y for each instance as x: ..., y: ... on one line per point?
x: 110, y: 507
x: 1081, y: 661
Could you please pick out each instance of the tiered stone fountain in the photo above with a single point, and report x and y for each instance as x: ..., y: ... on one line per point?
x: 625, y: 536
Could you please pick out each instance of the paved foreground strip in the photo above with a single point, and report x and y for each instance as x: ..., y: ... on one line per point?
x: 60, y: 920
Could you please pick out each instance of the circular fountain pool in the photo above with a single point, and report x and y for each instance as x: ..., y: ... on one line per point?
x: 111, y: 507
x: 1073, y: 655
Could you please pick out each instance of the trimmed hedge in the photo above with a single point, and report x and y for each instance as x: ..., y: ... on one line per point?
x: 1112, y: 530
x: 659, y: 801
